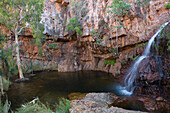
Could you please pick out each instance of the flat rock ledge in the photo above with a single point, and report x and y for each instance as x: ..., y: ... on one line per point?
x: 97, y: 103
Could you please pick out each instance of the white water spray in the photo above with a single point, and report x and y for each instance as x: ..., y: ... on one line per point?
x: 133, y: 72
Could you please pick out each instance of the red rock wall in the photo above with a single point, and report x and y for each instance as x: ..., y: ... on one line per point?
x: 138, y: 26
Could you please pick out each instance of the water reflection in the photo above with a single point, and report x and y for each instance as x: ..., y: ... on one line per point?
x: 49, y: 86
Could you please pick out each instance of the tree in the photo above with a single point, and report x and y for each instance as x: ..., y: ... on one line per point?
x: 16, y: 15
x: 118, y: 8
x: 74, y: 26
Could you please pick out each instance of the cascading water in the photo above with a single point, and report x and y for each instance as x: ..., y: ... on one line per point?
x: 133, y: 72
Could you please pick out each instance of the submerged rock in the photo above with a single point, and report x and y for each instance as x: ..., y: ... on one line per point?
x: 76, y: 96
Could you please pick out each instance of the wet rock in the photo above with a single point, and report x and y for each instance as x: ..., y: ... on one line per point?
x: 22, y: 80
x: 156, y: 106
x: 129, y: 103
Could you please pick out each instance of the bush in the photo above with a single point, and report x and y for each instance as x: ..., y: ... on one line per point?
x: 4, y: 108
x: 74, y: 26
x: 35, y: 106
x: 53, y: 46
x: 6, y: 83
x: 32, y: 107
x: 109, y: 62
x: 63, y: 106
x: 167, y: 5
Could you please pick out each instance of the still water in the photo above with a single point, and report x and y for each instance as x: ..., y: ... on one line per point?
x: 49, y: 86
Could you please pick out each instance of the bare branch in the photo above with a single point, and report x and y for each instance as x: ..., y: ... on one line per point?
x: 21, y: 30
x: 27, y: 25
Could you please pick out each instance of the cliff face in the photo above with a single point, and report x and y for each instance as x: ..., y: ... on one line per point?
x: 82, y: 53
x: 140, y: 22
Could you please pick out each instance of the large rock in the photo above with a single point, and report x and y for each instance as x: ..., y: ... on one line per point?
x: 101, y: 97
x: 97, y: 103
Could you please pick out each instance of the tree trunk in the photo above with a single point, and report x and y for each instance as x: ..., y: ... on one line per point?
x: 1, y: 84
x: 18, y: 57
x: 116, y: 36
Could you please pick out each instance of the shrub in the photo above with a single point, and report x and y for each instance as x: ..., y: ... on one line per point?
x: 63, y: 106
x: 32, y: 107
x: 143, y: 44
x: 97, y: 37
x: 53, y: 46
x: 35, y: 106
x: 4, y: 108
x: 74, y: 26
x: 109, y: 62
x: 167, y: 5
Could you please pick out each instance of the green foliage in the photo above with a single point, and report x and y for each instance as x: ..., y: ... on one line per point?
x: 140, y: 45
x: 97, y: 37
x: 134, y: 58
x: 6, y: 56
x: 16, y: 15
x: 95, y: 34
x: 31, y: 107
x: 118, y: 8
x: 13, y: 12
x: 109, y: 62
x: 168, y: 45
x: 40, y: 52
x: 112, y: 51
x: 123, y: 60
x: 74, y: 26
x: 63, y: 106
x: 165, y: 34
x: 4, y: 108
x: 167, y: 5
x: 6, y: 83
x: 143, y: 3
x: 53, y: 46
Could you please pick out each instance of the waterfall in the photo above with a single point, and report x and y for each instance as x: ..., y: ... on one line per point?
x: 133, y: 72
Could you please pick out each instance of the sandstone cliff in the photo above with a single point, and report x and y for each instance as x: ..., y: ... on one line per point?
x: 81, y: 53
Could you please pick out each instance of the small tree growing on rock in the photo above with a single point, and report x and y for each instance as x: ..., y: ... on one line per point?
x: 16, y: 15
x: 74, y: 26
x: 118, y: 8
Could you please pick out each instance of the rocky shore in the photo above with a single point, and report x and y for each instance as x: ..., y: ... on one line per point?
x: 110, y: 103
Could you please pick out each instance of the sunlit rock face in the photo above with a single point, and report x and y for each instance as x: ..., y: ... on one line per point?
x: 139, y: 24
